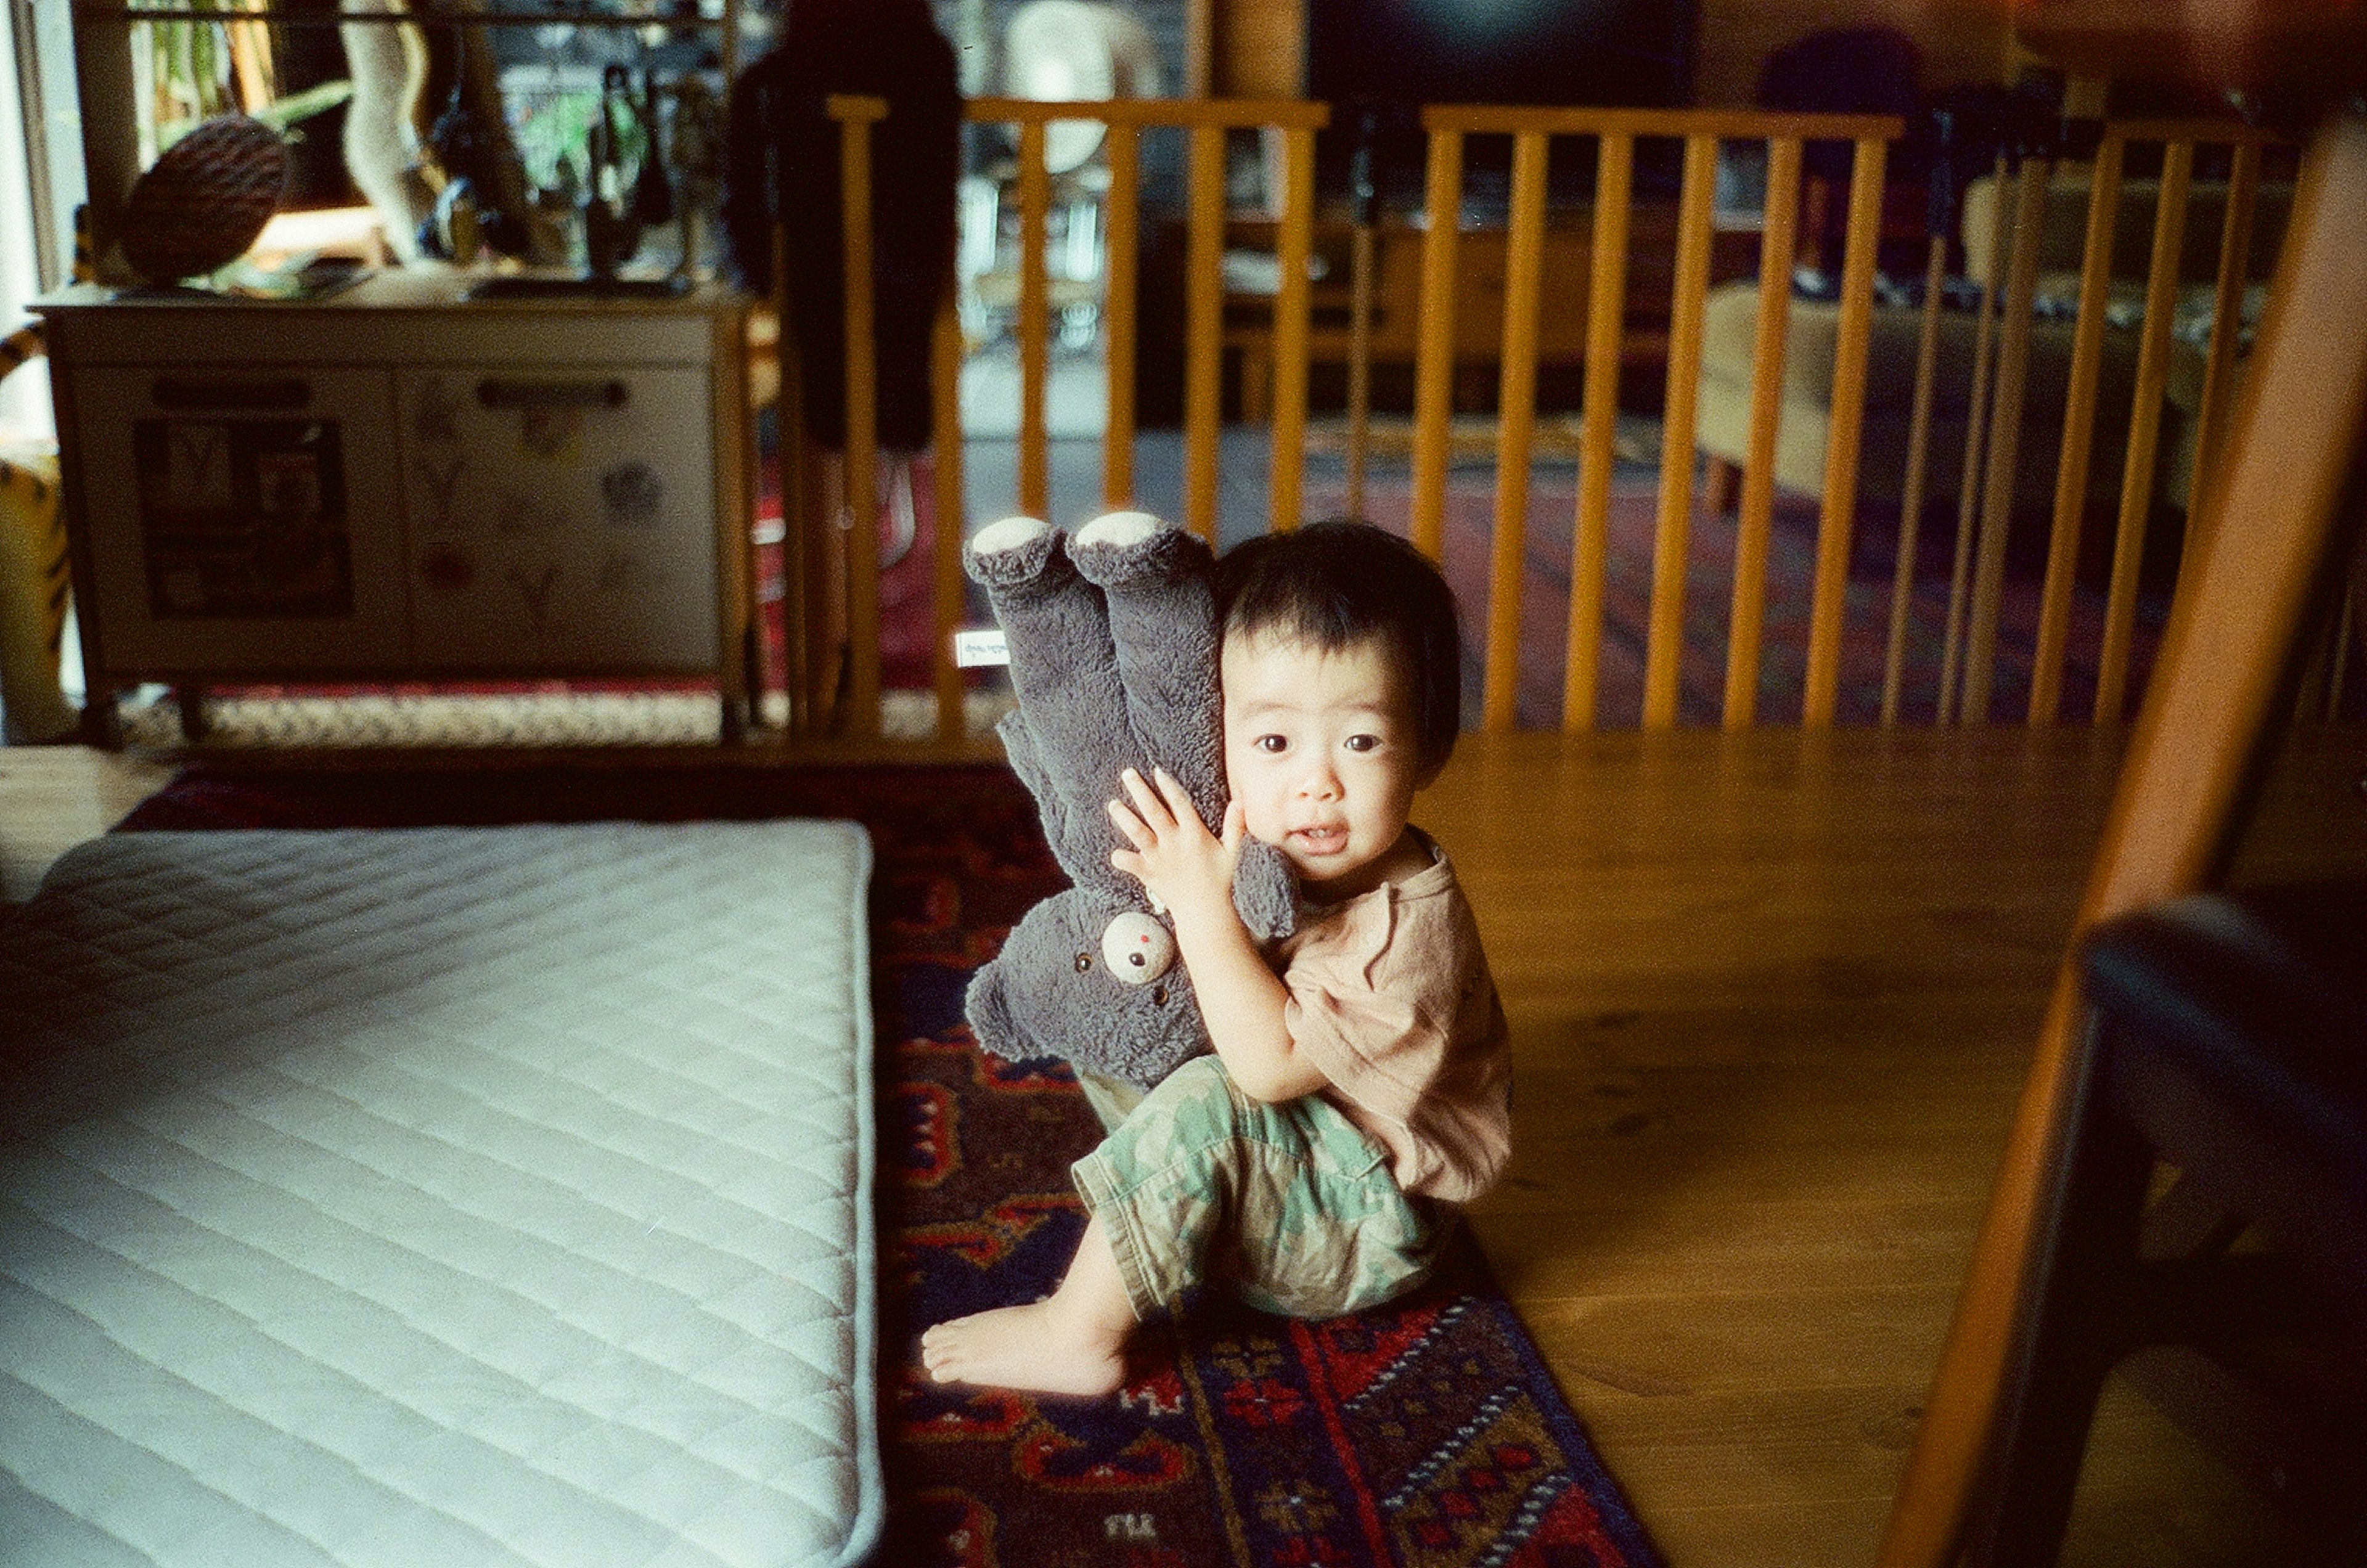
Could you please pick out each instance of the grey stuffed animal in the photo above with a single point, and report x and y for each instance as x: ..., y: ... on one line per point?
x: 1113, y: 645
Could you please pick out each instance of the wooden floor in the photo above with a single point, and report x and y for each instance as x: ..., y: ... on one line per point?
x: 1772, y: 995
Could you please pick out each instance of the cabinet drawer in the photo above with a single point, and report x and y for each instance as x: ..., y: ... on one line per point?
x: 241, y: 518
x: 559, y: 519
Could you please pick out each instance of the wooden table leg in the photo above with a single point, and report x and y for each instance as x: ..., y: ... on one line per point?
x: 2228, y: 656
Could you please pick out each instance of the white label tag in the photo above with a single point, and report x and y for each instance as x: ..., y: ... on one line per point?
x: 982, y: 647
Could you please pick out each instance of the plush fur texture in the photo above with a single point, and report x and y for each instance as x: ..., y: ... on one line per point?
x: 1114, y: 642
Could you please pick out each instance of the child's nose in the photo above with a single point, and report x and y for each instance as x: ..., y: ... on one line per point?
x: 1320, y: 782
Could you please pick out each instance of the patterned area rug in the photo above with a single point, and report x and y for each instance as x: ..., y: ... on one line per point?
x: 1428, y: 1433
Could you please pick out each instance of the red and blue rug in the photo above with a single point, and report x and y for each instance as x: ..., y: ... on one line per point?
x: 1428, y: 1433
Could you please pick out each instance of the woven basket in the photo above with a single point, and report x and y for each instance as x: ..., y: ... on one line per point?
x: 202, y: 204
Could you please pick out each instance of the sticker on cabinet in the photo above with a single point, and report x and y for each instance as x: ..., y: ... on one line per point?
x: 632, y: 495
x: 446, y: 567
x: 534, y: 592
x: 243, y: 518
x: 550, y: 434
x: 435, y: 421
x: 442, y: 474
x: 198, y: 469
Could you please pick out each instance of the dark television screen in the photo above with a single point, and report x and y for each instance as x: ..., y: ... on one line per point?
x: 1633, y: 53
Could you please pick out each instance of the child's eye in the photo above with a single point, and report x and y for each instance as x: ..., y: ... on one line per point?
x: 1271, y: 744
x: 1364, y: 742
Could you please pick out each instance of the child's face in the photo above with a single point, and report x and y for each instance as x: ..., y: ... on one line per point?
x: 1321, y: 750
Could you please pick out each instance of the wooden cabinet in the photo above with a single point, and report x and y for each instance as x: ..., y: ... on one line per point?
x: 400, y: 483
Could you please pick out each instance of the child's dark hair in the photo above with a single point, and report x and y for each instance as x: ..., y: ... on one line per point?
x: 1342, y: 581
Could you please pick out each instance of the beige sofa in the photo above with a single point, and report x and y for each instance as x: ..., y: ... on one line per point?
x: 1722, y: 425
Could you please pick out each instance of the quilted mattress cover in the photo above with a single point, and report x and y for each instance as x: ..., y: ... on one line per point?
x: 434, y: 1196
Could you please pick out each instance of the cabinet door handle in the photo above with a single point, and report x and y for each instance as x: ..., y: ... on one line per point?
x: 181, y: 392
x: 495, y: 394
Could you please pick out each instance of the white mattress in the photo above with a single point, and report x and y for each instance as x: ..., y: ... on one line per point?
x: 439, y: 1197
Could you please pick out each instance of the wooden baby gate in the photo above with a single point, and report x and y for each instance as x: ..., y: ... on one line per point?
x: 827, y: 700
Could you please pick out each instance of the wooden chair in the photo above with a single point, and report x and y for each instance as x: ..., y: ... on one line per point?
x: 2221, y: 1036
x: 2279, y: 518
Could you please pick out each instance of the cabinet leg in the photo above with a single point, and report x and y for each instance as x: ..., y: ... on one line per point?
x: 191, y: 700
x: 102, y: 727
x: 751, y: 657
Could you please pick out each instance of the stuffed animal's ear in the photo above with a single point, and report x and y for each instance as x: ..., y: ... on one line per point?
x: 1265, y: 894
x: 987, y: 1006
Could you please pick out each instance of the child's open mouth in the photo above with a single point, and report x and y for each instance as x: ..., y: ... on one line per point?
x: 1320, y: 840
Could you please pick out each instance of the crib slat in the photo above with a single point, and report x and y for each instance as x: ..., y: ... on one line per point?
x: 1204, y: 328
x: 2005, y: 439
x: 1123, y: 151
x: 1606, y: 309
x: 1297, y: 244
x: 1910, y: 500
x: 1516, y: 407
x: 1433, y: 396
x: 1968, y: 490
x: 947, y: 585
x: 2145, y: 433
x: 1839, y: 518
x: 1664, y: 642
x: 862, y: 467
x: 798, y: 529
x: 2078, y: 433
x: 1035, y: 324
x: 2219, y: 362
x: 1777, y: 241
x: 1361, y: 248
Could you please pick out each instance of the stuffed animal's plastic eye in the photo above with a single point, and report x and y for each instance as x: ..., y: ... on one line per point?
x: 1136, y: 948
x: 1084, y: 962
x: 1159, y: 995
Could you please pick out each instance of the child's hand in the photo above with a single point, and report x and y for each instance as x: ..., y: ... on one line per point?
x: 1189, y: 869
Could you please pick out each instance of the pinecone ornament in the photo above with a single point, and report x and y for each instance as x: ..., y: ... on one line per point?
x: 202, y: 203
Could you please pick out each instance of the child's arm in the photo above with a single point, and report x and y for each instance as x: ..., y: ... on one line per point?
x: 1191, y: 871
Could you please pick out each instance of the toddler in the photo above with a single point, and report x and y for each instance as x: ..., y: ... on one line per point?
x: 1360, y: 1085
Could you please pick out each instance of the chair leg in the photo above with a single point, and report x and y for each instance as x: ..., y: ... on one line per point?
x: 2193, y: 758
x: 2083, y: 1284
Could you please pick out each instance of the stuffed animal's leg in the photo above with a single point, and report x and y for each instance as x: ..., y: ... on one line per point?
x: 1051, y: 805
x: 1066, y: 675
x: 1162, y: 620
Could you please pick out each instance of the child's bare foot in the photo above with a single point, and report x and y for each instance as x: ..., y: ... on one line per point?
x: 1024, y: 1346
x: 1074, y: 1341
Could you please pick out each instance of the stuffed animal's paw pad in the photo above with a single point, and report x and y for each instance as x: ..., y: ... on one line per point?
x: 1118, y: 529
x: 1008, y: 535
x: 1124, y: 550
x: 1011, y: 551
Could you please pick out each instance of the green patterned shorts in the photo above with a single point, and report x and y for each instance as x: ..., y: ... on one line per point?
x: 1289, y: 1206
